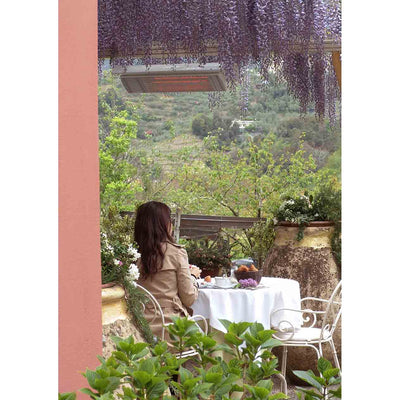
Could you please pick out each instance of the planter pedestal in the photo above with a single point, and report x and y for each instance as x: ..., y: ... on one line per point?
x: 115, y: 319
x: 311, y: 263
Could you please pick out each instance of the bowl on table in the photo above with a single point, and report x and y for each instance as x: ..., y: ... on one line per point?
x: 256, y: 275
x: 223, y: 282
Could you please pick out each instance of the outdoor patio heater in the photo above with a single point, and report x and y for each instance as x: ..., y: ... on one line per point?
x: 172, y: 78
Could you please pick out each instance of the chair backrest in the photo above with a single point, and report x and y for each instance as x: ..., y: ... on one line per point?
x: 333, y: 310
x: 150, y: 304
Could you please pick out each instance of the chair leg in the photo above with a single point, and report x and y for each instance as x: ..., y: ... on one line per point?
x: 335, y: 357
x: 283, y: 383
x: 319, y: 353
x: 284, y: 361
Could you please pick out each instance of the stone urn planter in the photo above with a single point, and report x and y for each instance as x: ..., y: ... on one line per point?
x: 115, y: 319
x: 310, y: 262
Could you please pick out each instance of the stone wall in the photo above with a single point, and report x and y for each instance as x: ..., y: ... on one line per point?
x: 122, y: 328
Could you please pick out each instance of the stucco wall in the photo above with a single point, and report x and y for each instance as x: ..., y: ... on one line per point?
x: 79, y: 208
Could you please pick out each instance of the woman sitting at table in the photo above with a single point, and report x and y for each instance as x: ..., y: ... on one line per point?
x: 164, y: 268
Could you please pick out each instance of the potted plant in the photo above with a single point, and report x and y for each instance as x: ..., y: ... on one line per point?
x: 324, y: 207
x: 307, y: 248
x: 120, y: 305
x: 212, y: 259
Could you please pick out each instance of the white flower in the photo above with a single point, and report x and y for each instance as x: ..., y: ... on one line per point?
x: 109, y: 248
x: 133, y: 252
x: 117, y: 262
x: 134, y: 272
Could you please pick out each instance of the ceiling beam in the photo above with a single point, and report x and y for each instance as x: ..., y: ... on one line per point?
x: 337, y: 65
x: 159, y: 51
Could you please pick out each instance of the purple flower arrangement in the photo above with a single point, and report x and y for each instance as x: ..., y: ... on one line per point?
x: 246, y: 283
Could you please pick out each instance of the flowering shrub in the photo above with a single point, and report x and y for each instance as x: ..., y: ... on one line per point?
x: 325, y: 205
x: 118, y: 259
x: 118, y: 263
x: 297, y: 210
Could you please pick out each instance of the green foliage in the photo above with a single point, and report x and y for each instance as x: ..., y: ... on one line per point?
x: 242, y: 183
x: 325, y: 205
x: 318, y: 134
x: 169, y: 127
x: 117, y: 245
x: 327, y: 386
x: 258, y: 240
x: 111, y: 103
x: 334, y: 164
x: 201, y: 125
x: 327, y: 201
x: 206, y: 255
x: 271, y: 108
x: 134, y: 300
x: 140, y: 371
x: 336, y: 244
x: 246, y: 183
x: 117, y: 184
x: 201, y: 178
x: 67, y: 396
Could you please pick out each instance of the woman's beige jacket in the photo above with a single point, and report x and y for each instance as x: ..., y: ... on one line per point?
x: 172, y: 286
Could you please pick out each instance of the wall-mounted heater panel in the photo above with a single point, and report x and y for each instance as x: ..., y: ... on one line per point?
x: 172, y: 78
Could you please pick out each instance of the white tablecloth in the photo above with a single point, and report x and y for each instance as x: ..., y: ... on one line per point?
x: 238, y: 305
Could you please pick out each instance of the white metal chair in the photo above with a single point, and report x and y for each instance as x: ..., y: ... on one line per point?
x: 155, y: 305
x: 311, y: 335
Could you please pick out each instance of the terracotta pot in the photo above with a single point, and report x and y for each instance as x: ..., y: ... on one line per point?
x: 310, y: 224
x: 113, y: 304
x: 310, y: 262
x: 108, y: 285
x: 115, y: 319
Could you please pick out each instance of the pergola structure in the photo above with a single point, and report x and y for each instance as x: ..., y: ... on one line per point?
x: 80, y: 328
x: 330, y: 46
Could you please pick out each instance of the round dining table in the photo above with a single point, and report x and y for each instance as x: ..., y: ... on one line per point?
x: 250, y: 305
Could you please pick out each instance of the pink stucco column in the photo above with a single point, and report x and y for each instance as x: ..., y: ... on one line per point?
x: 79, y: 246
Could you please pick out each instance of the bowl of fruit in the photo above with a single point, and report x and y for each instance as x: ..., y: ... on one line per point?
x: 244, y: 272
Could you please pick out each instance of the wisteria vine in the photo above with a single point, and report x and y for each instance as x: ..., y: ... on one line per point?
x: 286, y: 35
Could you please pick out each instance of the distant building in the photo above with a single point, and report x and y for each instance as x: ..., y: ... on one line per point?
x: 242, y: 124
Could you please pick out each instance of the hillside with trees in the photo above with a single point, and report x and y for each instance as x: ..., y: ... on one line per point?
x: 238, y: 158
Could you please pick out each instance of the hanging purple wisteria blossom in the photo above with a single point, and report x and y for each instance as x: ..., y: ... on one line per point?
x: 214, y: 100
x: 287, y: 36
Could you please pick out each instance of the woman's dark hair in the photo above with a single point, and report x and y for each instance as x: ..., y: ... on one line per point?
x: 151, y: 230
